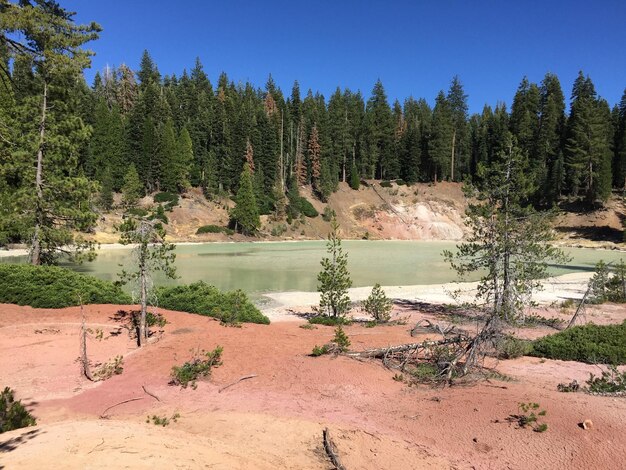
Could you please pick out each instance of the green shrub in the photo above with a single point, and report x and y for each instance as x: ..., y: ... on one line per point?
x: 341, y: 339
x: 114, y: 367
x: 54, y: 287
x: 604, y: 344
x: 425, y: 372
x: 385, y: 184
x: 209, y: 229
x: 529, y: 415
x: 199, y: 366
x: 307, y: 208
x: 510, y: 347
x: 137, y: 211
x: 328, y: 321
x: 319, y: 350
x: 203, y: 299
x: 162, y: 420
x: 166, y: 197
x: 159, y: 214
x: 13, y: 415
x: 378, y: 305
x: 400, y: 182
x: 611, y: 381
x: 328, y: 214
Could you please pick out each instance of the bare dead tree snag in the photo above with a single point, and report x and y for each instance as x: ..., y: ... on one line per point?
x: 329, y: 447
x: 580, y: 309
x: 84, y: 360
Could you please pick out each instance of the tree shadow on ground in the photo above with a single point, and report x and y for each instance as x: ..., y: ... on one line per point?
x: 10, y: 444
x: 599, y: 234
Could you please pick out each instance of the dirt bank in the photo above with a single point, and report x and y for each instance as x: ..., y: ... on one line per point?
x: 275, y: 420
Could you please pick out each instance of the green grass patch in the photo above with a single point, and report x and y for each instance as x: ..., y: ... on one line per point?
x: 203, y: 299
x: 55, y: 287
x: 593, y: 344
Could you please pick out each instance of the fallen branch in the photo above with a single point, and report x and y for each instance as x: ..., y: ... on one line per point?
x: 151, y: 394
x: 245, y: 377
x: 103, y: 415
x: 382, y: 352
x: 329, y: 447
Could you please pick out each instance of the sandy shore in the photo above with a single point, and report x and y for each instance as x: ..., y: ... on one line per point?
x: 555, y: 290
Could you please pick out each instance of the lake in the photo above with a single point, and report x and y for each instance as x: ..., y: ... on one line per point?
x: 293, y: 266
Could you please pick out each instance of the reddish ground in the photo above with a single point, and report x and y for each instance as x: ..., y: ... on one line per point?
x: 275, y: 420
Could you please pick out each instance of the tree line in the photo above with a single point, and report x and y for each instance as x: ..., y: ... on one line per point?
x: 64, y: 142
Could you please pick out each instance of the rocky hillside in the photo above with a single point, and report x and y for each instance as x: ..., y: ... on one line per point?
x: 418, y: 212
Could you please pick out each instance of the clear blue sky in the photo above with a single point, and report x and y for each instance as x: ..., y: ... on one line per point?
x: 414, y: 47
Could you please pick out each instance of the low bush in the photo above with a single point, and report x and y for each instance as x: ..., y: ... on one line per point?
x: 328, y: 321
x: 401, y: 182
x: 529, y: 415
x: 166, y: 198
x: 307, y: 208
x: 378, y: 305
x: 611, y: 381
x: 137, y: 212
x: 13, y: 415
x: 199, y: 366
x: 385, y: 184
x: 210, y: 229
x: 203, y: 299
x: 162, y: 420
x: 604, y: 344
x: 55, y: 287
x: 111, y: 368
x: 328, y: 214
x: 510, y: 347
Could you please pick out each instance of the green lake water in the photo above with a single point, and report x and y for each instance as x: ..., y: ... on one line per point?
x: 293, y: 266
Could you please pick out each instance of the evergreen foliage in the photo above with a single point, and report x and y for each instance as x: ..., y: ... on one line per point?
x: 203, y: 299
x: 13, y: 415
x: 509, y: 242
x: 151, y: 253
x: 182, y: 130
x: 378, y: 305
x: 593, y: 344
x: 132, y: 188
x: 54, y: 287
x: 245, y: 214
x: 334, y: 278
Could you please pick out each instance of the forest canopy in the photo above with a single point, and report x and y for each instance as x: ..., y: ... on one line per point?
x: 172, y: 132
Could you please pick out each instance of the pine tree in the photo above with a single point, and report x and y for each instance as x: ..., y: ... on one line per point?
x: 440, y: 143
x: 378, y: 305
x: 588, y: 156
x: 245, y: 214
x: 185, y: 159
x: 510, y: 240
x: 250, y: 156
x: 549, y: 154
x: 106, y: 190
x: 619, y: 146
x: 314, y: 157
x: 457, y: 102
x: 334, y: 278
x: 355, y: 180
x: 168, y: 167
x: 382, y: 161
x: 152, y: 253
x: 53, y: 201
x: 132, y: 189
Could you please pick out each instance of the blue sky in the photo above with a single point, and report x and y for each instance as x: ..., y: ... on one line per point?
x: 414, y: 47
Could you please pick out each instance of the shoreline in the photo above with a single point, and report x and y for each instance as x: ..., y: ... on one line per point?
x: 555, y: 289
x: 16, y: 252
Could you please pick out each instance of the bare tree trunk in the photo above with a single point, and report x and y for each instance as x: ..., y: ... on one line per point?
x: 143, y: 286
x: 35, y: 253
x: 282, y: 162
x: 83, y: 345
x: 452, y: 156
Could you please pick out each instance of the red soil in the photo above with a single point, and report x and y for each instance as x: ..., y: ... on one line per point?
x: 275, y: 420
